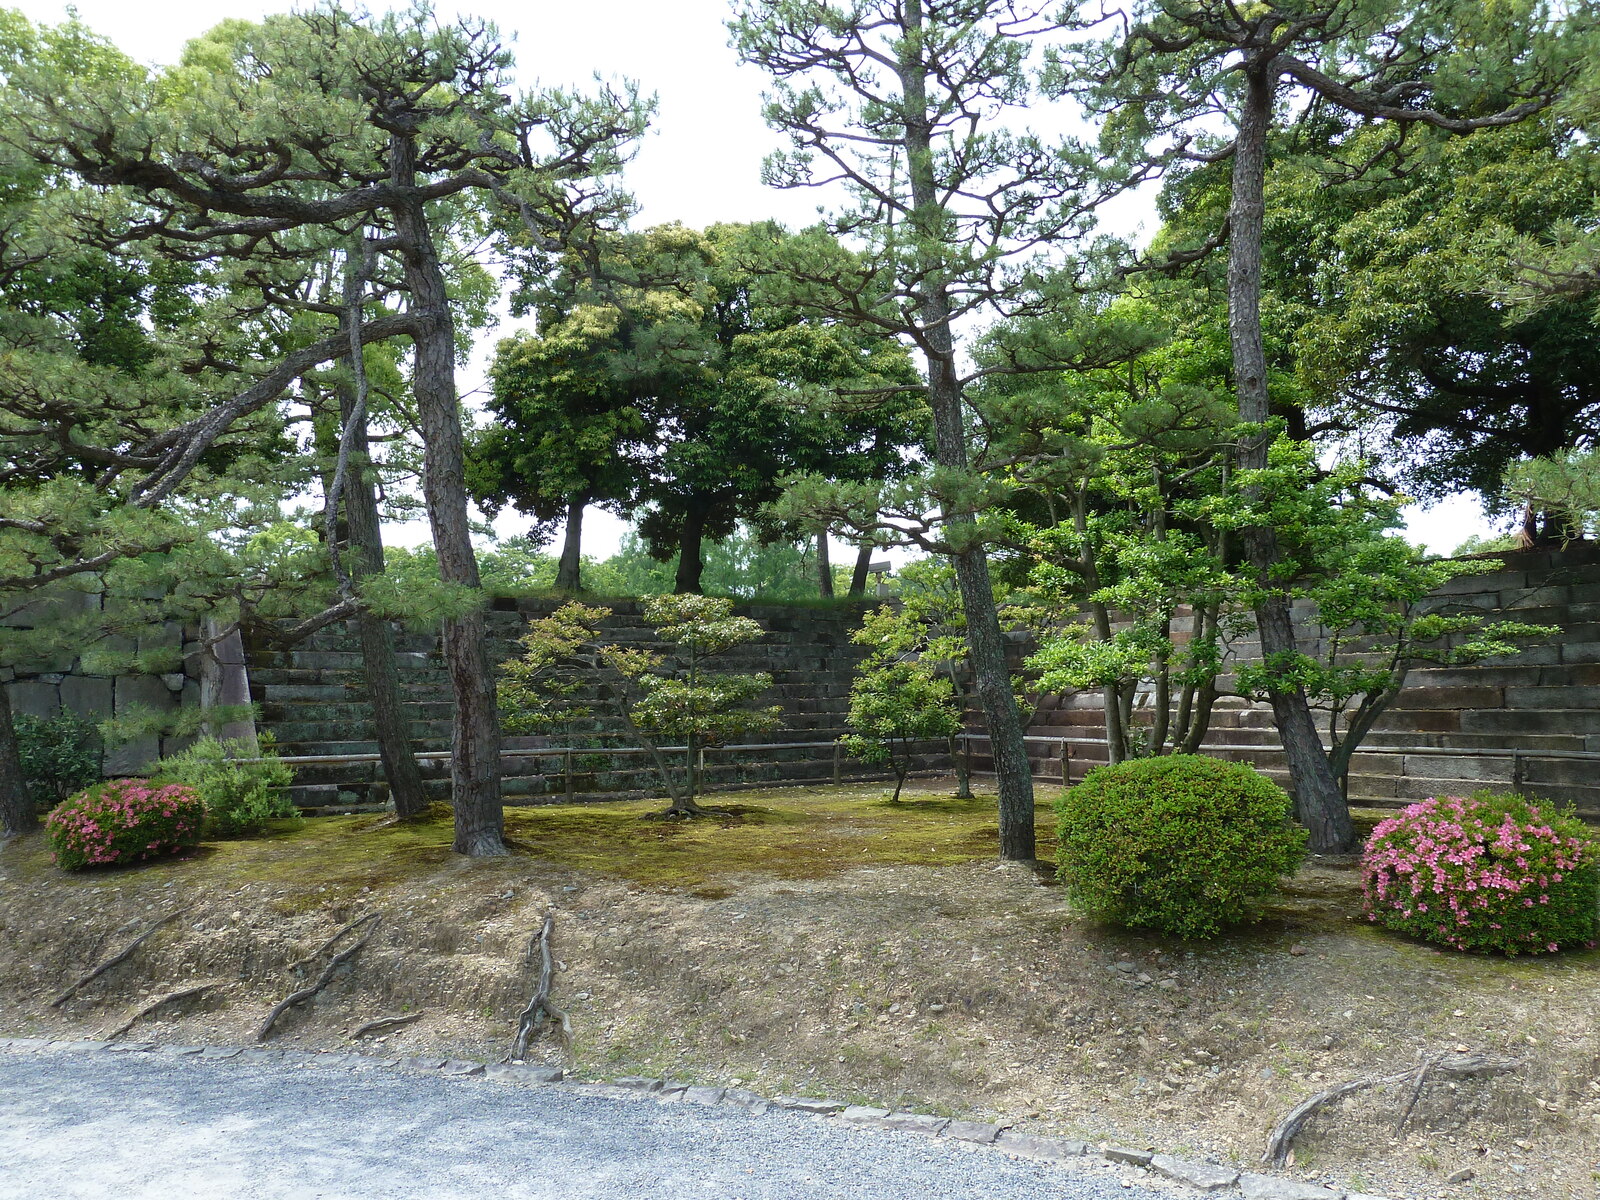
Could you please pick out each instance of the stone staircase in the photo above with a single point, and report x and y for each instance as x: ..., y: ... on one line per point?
x: 312, y: 701
x: 1499, y: 716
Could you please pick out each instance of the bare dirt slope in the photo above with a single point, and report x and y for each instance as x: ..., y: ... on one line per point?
x: 821, y: 942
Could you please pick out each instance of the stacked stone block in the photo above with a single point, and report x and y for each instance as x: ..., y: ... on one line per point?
x: 312, y: 700
x: 1488, y: 723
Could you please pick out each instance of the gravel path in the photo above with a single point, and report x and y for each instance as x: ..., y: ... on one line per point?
x: 104, y: 1126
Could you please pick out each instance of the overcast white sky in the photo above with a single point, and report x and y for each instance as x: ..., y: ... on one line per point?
x: 700, y: 164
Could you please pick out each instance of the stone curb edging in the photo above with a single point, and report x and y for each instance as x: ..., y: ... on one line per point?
x: 1205, y: 1177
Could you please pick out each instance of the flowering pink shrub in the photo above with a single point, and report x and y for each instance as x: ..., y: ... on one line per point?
x: 1489, y: 873
x: 122, y: 821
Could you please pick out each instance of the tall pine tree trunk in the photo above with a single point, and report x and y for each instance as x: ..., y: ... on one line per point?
x: 391, y: 726
x: 824, y: 567
x: 475, y: 741
x: 1319, y: 802
x: 17, y: 812
x: 571, y: 566
x: 985, y: 643
x: 691, y: 543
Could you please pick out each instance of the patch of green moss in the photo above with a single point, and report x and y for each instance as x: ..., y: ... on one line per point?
x: 795, y: 833
x: 790, y: 833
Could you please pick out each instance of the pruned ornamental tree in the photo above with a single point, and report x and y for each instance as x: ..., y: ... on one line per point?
x: 1566, y: 487
x: 328, y: 126
x: 899, y: 696
x: 685, y: 696
x: 568, y: 673
x: 353, y: 535
x: 1179, y: 83
x: 1121, y: 473
x: 1374, y: 612
x: 904, y: 103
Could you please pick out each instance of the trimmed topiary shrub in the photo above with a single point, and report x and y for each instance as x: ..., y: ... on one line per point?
x: 1487, y: 873
x: 239, y: 797
x: 1182, y: 844
x: 123, y: 821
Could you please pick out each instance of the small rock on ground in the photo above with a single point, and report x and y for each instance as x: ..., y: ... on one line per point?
x: 1271, y: 1187
x: 746, y: 1099
x: 1123, y: 1154
x: 858, y: 1115
x: 1205, y: 1177
x: 522, y: 1073
x: 972, y: 1131
x: 1047, y: 1149
x: 915, y: 1122
x: 805, y: 1104
x: 703, y: 1095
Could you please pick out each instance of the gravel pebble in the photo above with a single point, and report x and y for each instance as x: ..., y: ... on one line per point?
x: 84, y: 1127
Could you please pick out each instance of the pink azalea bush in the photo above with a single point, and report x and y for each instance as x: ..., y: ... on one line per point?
x: 123, y: 821
x: 1486, y: 873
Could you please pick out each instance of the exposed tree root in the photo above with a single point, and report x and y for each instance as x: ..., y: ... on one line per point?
x: 301, y: 964
x: 538, y: 1007
x: 1444, y: 1066
x: 371, y: 921
x: 161, y: 1002
x: 121, y: 956
x: 383, y: 1023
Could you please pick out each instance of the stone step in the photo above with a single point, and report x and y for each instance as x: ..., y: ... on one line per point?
x: 1513, y: 722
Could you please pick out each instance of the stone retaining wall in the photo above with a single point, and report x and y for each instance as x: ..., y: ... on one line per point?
x: 1499, y: 718
x: 312, y: 699
x: 1543, y: 700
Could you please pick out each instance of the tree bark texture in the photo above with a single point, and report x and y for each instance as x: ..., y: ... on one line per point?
x: 569, y: 570
x: 824, y: 567
x: 858, y: 577
x: 225, y: 683
x: 691, y: 541
x: 391, y: 727
x: 985, y: 642
x: 475, y: 741
x: 17, y: 812
x: 1319, y: 803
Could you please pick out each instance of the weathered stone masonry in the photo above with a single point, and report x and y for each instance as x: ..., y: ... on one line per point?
x: 1544, y: 700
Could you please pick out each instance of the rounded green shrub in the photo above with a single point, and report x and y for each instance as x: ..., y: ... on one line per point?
x: 124, y: 821
x: 1180, y: 843
x: 1492, y: 873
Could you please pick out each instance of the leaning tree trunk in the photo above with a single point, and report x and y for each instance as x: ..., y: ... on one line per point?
x: 568, y: 573
x: 475, y: 741
x: 17, y: 812
x: 858, y: 577
x: 390, y: 725
x: 691, y: 543
x: 1319, y: 801
x: 985, y: 643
